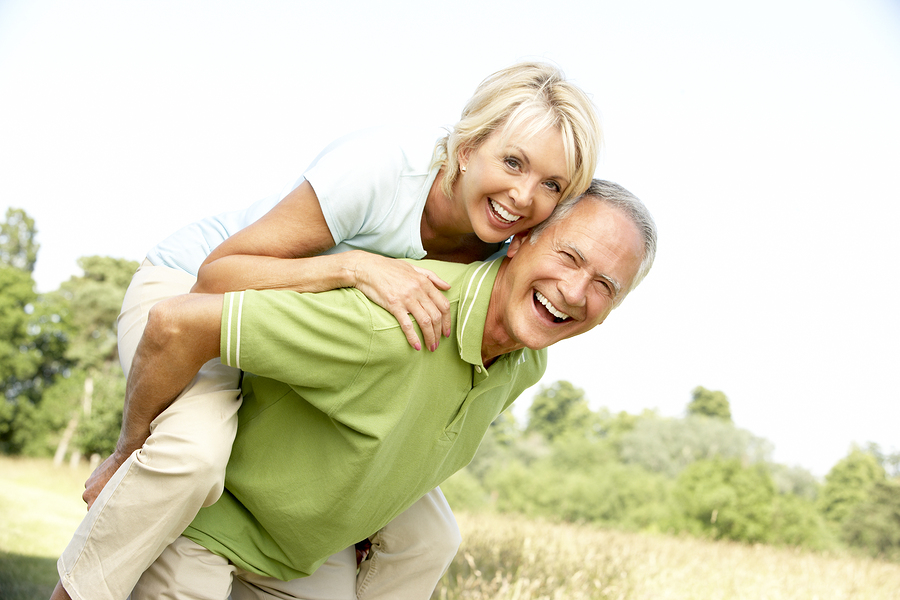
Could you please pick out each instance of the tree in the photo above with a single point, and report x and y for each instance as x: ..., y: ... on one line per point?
x: 709, y: 403
x: 18, y: 247
x: 727, y: 500
x: 32, y: 346
x: 557, y: 409
x: 848, y: 484
x: 668, y: 445
x: 93, y: 301
x: 874, y: 523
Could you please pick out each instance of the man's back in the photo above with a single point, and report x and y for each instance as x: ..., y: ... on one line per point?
x: 358, y: 419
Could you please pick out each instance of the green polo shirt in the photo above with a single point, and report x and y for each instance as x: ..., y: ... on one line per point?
x: 357, y: 426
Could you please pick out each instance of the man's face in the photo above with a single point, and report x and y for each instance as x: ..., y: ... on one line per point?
x: 567, y: 281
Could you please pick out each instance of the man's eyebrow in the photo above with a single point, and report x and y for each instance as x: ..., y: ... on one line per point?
x: 615, y: 284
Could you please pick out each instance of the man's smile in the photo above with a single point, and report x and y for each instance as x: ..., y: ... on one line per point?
x: 558, y: 315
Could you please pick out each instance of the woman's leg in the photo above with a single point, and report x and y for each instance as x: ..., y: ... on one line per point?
x: 157, y: 492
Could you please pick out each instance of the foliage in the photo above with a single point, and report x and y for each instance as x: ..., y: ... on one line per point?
x: 32, y: 339
x: 668, y: 445
x: 848, y: 484
x: 794, y: 480
x: 56, y: 348
x: 18, y: 247
x: 32, y: 346
x: 18, y: 357
x: 874, y: 523
x: 94, y: 300
x: 698, y: 474
x: 796, y: 522
x: 98, y: 431
x: 724, y: 499
x: 558, y: 409
x: 710, y: 404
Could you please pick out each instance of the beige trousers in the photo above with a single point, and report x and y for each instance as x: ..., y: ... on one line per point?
x: 158, y: 491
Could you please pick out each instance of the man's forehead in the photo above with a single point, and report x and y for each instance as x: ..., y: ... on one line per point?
x: 597, y: 231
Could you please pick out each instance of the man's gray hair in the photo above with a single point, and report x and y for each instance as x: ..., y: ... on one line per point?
x: 617, y: 196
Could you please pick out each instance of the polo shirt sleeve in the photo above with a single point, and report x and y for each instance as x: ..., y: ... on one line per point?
x: 305, y: 340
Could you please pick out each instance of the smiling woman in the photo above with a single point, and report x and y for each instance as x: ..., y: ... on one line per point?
x: 512, y: 180
x: 526, y: 140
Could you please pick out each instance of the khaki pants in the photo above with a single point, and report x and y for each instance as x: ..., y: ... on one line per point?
x: 158, y: 491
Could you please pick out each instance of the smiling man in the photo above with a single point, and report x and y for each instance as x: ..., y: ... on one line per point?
x: 343, y: 426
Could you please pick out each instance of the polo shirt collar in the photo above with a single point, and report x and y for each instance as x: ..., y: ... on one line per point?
x: 474, y: 298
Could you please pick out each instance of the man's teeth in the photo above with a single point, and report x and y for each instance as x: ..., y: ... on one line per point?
x: 543, y: 300
x: 506, y: 216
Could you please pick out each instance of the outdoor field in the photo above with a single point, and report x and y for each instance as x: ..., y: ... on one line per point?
x: 502, y: 557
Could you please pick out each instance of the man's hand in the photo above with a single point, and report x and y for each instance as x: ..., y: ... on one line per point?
x: 101, y: 475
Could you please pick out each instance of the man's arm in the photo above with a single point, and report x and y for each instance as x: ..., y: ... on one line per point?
x: 182, y: 334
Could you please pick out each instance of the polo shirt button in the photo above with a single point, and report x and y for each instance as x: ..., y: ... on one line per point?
x: 478, y: 369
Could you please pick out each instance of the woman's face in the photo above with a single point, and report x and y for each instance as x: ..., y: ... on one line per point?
x: 511, y: 182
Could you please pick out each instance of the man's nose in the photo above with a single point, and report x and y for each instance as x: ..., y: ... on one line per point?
x: 574, y: 288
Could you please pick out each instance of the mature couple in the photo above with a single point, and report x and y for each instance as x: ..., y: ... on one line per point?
x: 346, y: 425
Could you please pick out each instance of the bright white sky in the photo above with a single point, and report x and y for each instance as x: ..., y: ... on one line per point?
x: 764, y: 136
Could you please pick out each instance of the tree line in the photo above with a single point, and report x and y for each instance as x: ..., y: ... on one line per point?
x: 59, y: 374
x: 699, y: 474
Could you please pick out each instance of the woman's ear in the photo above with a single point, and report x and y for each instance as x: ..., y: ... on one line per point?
x: 462, y: 157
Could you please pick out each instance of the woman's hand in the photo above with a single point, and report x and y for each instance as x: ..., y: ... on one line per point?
x: 403, y: 289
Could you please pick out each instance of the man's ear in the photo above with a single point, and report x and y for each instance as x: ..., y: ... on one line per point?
x: 517, y: 242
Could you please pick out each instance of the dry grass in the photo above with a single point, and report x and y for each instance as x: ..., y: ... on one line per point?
x: 502, y: 558
x: 506, y: 557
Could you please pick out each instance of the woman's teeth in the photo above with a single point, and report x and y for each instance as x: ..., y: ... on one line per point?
x: 543, y: 300
x: 504, y: 214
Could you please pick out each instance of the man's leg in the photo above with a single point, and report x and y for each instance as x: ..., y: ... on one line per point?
x: 160, y: 488
x: 411, y: 553
x: 334, y: 580
x: 186, y: 571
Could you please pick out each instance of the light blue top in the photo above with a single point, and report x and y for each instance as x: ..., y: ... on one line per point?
x: 372, y: 186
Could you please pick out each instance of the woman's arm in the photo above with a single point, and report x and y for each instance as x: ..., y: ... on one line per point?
x: 282, y: 251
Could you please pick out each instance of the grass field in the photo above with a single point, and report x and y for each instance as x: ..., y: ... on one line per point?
x: 502, y: 557
x: 40, y: 506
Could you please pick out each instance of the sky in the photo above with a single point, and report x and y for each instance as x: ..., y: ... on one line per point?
x: 764, y: 136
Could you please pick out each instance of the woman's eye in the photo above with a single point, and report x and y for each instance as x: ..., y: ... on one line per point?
x: 554, y: 187
x: 512, y: 163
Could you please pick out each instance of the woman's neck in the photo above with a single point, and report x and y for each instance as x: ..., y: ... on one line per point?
x: 446, y: 231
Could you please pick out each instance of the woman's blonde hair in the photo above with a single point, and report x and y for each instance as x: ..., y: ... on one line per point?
x: 528, y: 98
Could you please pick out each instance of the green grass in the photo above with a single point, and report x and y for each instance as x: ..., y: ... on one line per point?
x: 40, y: 507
